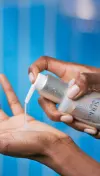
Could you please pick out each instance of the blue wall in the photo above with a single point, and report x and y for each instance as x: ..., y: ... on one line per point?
x: 27, y: 31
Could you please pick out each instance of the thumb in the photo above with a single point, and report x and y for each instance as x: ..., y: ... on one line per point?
x: 83, y: 84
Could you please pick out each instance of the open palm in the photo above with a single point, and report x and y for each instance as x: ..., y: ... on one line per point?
x: 15, y: 139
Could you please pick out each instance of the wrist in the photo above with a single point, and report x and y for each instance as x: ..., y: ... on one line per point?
x: 58, y: 154
x: 66, y: 158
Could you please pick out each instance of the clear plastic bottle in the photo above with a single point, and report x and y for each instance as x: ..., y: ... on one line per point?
x: 85, y: 109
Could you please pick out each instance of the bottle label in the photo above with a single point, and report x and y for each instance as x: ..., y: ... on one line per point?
x: 54, y: 89
x: 88, y: 110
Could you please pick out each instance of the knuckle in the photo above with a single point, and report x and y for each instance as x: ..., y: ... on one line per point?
x: 83, y: 82
x: 31, y: 68
x: 84, y: 77
x: 45, y: 59
x: 9, y: 89
x: 41, y: 59
x: 14, y: 102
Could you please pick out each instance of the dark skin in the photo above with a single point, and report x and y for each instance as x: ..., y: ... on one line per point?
x: 41, y: 142
x: 85, y: 77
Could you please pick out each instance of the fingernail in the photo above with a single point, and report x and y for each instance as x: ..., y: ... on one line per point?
x: 71, y: 83
x: 67, y: 119
x: 73, y: 91
x: 31, y: 77
x: 90, y: 131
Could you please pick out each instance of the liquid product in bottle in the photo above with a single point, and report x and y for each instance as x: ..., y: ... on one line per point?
x: 86, y: 109
x: 49, y: 87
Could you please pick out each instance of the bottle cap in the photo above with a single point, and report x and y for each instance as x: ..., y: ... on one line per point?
x: 40, y: 81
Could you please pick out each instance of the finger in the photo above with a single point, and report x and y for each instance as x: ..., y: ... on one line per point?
x: 84, y: 83
x: 62, y: 69
x: 12, y: 98
x: 50, y: 109
x: 79, y: 88
x: 55, y: 115
x: 88, y: 82
x: 69, y: 120
x: 97, y: 135
x: 3, y: 116
x: 47, y: 63
x: 82, y: 127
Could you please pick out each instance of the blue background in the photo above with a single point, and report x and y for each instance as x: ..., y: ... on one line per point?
x: 29, y: 29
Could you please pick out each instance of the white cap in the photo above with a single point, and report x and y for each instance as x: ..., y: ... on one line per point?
x: 39, y: 83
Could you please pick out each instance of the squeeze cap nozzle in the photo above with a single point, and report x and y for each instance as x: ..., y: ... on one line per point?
x: 39, y: 83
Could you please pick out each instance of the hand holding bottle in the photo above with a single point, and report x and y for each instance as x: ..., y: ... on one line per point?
x: 66, y: 71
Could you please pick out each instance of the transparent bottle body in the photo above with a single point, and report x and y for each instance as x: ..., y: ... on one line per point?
x: 85, y: 109
x: 54, y: 89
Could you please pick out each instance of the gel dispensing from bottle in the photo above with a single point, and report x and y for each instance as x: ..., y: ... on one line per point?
x: 49, y: 87
x: 86, y: 109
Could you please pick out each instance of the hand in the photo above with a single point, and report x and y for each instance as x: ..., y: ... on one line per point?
x: 83, y: 84
x: 40, y: 142
x: 66, y: 71
x: 15, y: 139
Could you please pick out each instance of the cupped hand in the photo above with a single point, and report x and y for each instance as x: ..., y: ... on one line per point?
x: 67, y: 72
x: 17, y: 140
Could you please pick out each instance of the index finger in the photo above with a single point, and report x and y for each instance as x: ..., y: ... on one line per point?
x: 11, y: 96
x: 50, y: 64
